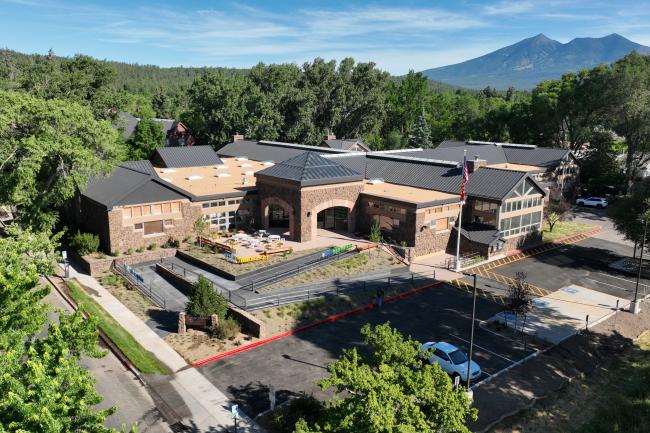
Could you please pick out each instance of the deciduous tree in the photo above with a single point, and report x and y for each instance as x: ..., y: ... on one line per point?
x: 388, y: 389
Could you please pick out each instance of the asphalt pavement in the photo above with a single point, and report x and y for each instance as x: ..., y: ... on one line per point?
x: 297, y: 362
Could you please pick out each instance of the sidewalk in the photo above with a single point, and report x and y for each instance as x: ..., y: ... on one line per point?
x: 208, y: 409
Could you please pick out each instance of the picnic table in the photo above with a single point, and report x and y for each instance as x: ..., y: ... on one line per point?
x: 274, y: 237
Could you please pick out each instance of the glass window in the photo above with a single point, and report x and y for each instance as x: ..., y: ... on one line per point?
x: 137, y: 226
x: 169, y: 222
x: 205, y: 205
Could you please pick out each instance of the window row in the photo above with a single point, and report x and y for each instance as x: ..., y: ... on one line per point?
x: 225, y: 220
x: 230, y: 202
x: 153, y: 227
x: 525, y: 203
x: 441, y: 209
x: 150, y: 209
x: 520, y: 224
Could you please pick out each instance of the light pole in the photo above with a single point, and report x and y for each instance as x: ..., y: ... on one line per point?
x: 635, y: 306
x: 471, y: 338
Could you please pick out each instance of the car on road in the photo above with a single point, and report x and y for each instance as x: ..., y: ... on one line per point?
x: 451, y: 359
x: 599, y: 202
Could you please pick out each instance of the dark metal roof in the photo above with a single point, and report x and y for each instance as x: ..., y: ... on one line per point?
x: 479, y: 234
x: 540, y: 156
x: 493, y: 183
x: 309, y: 168
x: 491, y: 154
x: 355, y: 161
x: 185, y: 156
x: 129, y: 184
x: 271, y: 150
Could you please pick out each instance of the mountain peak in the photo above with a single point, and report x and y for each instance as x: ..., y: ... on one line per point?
x: 531, y: 60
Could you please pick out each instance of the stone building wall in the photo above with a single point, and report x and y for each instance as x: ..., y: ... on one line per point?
x: 123, y: 237
x: 318, y: 198
x: 523, y: 242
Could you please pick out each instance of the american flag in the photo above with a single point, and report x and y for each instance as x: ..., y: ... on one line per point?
x: 465, y: 179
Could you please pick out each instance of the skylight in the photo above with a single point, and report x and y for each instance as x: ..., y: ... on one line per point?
x: 249, y: 173
x: 268, y: 163
x: 194, y: 177
x: 218, y: 166
x: 166, y: 179
x: 375, y: 181
x: 223, y: 175
x: 245, y: 165
x: 241, y: 158
x: 168, y: 170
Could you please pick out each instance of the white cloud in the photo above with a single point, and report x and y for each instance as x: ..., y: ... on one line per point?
x: 507, y: 7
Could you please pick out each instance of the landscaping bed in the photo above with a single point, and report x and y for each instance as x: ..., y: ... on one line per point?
x: 142, y: 359
x: 563, y: 229
x: 132, y: 299
x: 364, y: 262
x: 218, y: 260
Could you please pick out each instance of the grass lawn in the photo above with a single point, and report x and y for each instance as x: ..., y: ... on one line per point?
x: 359, y: 264
x: 138, y: 355
x: 564, y: 228
x: 218, y: 260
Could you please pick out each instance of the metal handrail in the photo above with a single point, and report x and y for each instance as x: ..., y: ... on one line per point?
x: 146, y: 289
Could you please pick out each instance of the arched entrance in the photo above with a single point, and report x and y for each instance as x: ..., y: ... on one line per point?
x: 333, y: 218
x: 278, y: 216
x: 277, y: 213
x: 332, y: 215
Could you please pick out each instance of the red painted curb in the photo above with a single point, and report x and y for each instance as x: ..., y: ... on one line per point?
x: 329, y: 319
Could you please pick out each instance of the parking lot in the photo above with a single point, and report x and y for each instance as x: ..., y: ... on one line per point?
x: 584, y: 264
x: 296, y: 363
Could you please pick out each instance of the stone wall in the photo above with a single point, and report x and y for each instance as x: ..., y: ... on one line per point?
x: 94, y: 266
x: 523, y: 242
x: 122, y: 237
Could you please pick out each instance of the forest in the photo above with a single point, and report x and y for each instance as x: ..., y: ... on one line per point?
x: 601, y: 113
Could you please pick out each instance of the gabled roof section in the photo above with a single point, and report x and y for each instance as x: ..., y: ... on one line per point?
x: 129, y: 183
x: 185, y: 156
x: 480, y: 235
x: 491, y: 154
x: 345, y: 144
x: 274, y: 151
x: 309, y: 168
x: 353, y: 160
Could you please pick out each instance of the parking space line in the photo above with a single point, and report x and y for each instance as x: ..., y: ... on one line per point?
x: 483, y: 348
x: 611, y: 285
x: 624, y: 279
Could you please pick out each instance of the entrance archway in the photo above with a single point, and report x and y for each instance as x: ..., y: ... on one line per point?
x: 277, y: 213
x: 333, y: 218
x: 335, y: 215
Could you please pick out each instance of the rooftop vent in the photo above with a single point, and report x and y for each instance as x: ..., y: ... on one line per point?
x: 375, y: 181
x: 218, y: 166
x: 249, y: 173
x: 194, y: 177
x: 168, y: 170
x: 241, y: 158
x: 245, y: 164
x: 223, y: 175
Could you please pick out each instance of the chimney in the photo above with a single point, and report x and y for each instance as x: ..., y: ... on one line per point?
x: 330, y: 136
x: 237, y: 137
x: 474, y: 165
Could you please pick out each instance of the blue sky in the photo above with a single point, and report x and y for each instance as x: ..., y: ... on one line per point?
x: 398, y: 36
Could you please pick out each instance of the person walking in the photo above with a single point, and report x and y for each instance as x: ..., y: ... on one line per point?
x: 379, y: 297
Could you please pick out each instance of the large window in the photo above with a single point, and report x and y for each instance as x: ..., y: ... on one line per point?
x: 153, y: 227
x: 521, y: 203
x: 520, y: 224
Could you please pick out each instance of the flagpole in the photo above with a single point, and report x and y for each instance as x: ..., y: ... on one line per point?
x: 460, y: 214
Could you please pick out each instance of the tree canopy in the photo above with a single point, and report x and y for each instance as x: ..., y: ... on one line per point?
x: 390, y: 390
x: 49, y: 149
x: 147, y: 136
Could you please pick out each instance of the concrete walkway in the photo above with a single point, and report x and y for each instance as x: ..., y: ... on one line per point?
x: 208, y: 407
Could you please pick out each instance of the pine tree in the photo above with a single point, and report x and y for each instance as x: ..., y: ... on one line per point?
x: 420, y: 133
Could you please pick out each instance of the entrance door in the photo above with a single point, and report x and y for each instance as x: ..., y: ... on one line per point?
x: 334, y: 218
x: 278, y: 217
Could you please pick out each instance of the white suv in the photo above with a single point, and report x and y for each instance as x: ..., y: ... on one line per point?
x: 592, y: 201
x: 451, y: 359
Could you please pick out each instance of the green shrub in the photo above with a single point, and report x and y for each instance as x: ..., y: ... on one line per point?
x: 227, y: 329
x: 284, y: 418
x: 129, y: 251
x: 205, y: 300
x: 172, y: 243
x: 152, y: 246
x: 115, y: 253
x: 110, y: 280
x: 85, y: 243
x: 139, y: 249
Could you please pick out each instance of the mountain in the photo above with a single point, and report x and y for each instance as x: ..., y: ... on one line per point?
x: 532, y: 60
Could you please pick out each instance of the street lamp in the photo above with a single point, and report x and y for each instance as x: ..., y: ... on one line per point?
x: 471, y: 338
x: 635, y: 305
